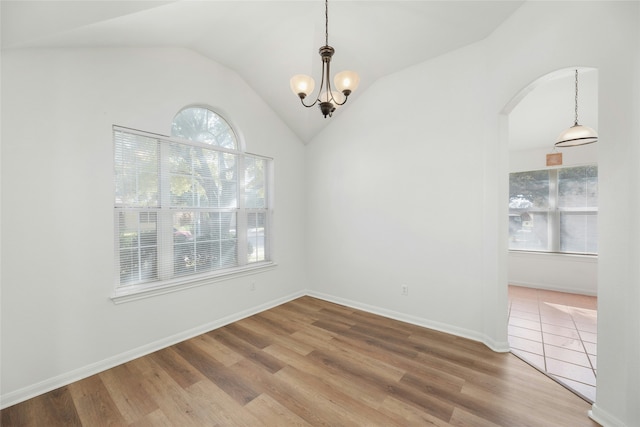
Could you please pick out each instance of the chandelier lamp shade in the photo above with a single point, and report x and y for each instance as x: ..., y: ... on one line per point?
x: 328, y: 98
x: 577, y: 134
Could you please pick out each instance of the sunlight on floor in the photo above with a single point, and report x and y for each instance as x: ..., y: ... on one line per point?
x: 557, y: 333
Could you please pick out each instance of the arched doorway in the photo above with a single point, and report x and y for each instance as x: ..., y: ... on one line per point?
x: 552, y: 278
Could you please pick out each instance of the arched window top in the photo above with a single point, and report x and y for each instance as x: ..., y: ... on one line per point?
x: 203, y: 125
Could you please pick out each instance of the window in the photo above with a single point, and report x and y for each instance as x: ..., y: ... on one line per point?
x: 188, y: 207
x: 554, y: 210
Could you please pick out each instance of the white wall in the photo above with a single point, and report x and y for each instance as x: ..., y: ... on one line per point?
x: 409, y: 187
x: 560, y: 272
x: 58, y: 106
x: 397, y: 197
x: 557, y: 272
x: 535, y: 159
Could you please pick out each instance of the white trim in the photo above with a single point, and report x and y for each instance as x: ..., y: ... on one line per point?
x: 553, y: 288
x: 126, y: 294
x: 174, y: 139
x: 497, y: 346
x: 567, y: 256
x: 167, y: 282
x: 604, y: 418
x: 50, y: 384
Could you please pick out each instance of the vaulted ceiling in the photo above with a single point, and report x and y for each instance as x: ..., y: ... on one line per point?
x: 266, y: 42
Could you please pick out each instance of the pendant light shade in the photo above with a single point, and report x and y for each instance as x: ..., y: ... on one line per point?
x: 577, y: 134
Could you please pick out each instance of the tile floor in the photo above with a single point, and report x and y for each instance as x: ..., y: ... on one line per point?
x: 557, y: 333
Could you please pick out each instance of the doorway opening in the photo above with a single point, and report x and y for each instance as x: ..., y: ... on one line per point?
x: 552, y: 291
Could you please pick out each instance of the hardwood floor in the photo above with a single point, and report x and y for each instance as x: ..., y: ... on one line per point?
x: 312, y: 363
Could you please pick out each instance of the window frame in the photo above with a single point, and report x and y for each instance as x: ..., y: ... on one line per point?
x: 129, y: 292
x: 554, y: 214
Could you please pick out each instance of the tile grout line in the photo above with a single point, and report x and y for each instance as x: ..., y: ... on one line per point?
x: 558, y: 378
x: 544, y: 351
x: 583, y: 346
x: 584, y: 350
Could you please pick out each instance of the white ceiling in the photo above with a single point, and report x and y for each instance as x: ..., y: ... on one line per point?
x: 266, y: 42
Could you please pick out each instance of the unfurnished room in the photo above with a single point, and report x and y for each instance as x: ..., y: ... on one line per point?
x: 320, y: 212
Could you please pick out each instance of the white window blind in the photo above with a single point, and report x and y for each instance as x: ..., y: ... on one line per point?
x: 186, y: 209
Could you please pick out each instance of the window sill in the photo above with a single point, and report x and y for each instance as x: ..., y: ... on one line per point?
x: 148, y: 290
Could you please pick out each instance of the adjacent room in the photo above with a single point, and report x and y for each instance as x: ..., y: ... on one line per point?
x: 553, y: 228
x: 166, y: 197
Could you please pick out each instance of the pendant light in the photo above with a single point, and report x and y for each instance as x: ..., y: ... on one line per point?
x: 346, y: 81
x: 577, y: 134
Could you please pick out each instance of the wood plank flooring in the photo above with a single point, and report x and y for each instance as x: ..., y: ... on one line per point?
x: 312, y: 363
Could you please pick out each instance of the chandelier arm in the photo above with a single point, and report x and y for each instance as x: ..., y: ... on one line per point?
x: 310, y: 105
x: 325, y: 78
x: 329, y: 91
x: 339, y: 103
x: 335, y: 101
x: 317, y: 98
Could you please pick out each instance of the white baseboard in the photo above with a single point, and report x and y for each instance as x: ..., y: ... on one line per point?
x: 50, y: 384
x: 604, y: 418
x: 548, y: 287
x: 500, y: 347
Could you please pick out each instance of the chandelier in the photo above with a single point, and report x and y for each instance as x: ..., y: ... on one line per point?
x: 577, y: 134
x: 328, y: 99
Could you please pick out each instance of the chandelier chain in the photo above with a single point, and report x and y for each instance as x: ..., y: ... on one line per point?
x: 326, y: 22
x: 576, y: 121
